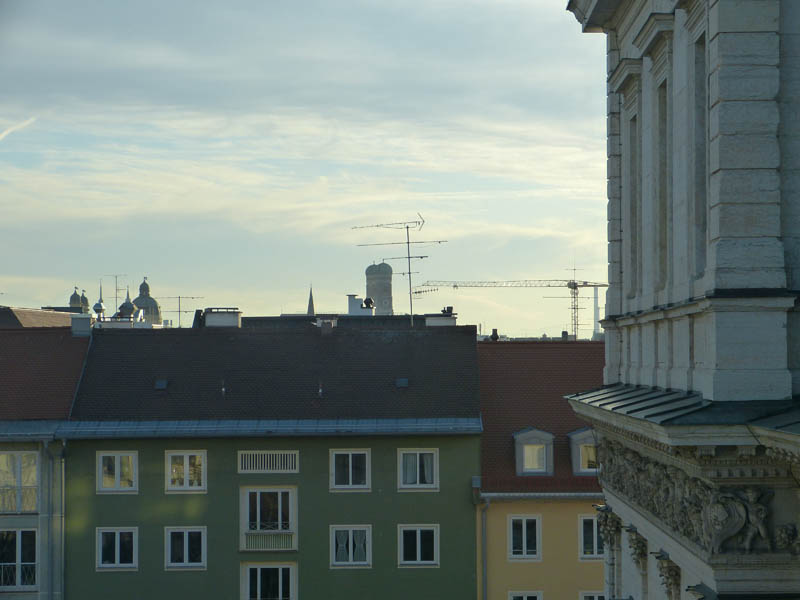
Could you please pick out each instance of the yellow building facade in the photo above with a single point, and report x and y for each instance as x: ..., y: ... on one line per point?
x: 558, y: 570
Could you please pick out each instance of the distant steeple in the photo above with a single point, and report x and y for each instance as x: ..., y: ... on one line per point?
x: 99, y: 308
x: 126, y: 309
x: 310, y: 312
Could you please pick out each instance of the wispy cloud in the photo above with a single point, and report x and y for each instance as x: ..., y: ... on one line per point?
x: 17, y: 127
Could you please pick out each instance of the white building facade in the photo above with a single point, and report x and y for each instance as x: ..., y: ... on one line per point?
x: 699, y: 430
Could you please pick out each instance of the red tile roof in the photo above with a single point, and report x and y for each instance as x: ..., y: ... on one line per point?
x: 39, y: 371
x: 523, y: 385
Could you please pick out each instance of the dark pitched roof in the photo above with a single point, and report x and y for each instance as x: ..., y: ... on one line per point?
x: 14, y: 318
x: 39, y: 370
x: 522, y: 385
x: 279, y: 374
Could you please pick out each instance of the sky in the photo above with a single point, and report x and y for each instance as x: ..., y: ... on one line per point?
x: 227, y: 150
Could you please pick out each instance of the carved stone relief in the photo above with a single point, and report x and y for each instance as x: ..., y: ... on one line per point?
x: 638, y: 546
x: 670, y: 574
x: 717, y: 519
x: 609, y: 526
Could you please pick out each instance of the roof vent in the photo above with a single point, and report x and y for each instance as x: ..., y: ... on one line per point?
x: 160, y: 384
x: 401, y: 382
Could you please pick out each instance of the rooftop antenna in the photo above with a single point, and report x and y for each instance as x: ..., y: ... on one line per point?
x: 179, y: 311
x: 117, y: 289
x: 408, y: 226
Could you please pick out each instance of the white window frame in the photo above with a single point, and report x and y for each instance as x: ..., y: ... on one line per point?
x: 350, y: 564
x: 244, y: 515
x: 595, y: 556
x: 510, y: 534
x: 591, y: 595
x: 577, y: 440
x: 531, y: 436
x: 418, y: 487
x: 332, y: 470
x: 244, y: 577
x: 536, y: 595
x: 18, y: 561
x: 117, y: 566
x: 19, y: 488
x: 185, y: 488
x: 99, y: 472
x: 185, y: 566
x: 418, y: 527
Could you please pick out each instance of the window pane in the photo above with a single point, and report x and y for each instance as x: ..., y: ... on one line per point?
x: 530, y: 536
x: 426, y: 545
x: 8, y: 470
x: 342, y: 543
x: 516, y: 536
x: 286, y: 586
x: 109, y: 478
x: 28, y: 574
x: 270, y: 584
x: 588, y: 457
x: 195, y: 470
x: 359, y: 469
x: 108, y: 553
x: 410, y: 545
x: 253, y: 503
x: 534, y: 457
x: 28, y: 469
x: 8, y: 500
x: 29, y: 496
x: 341, y: 469
x: 126, y: 471
x: 8, y: 547
x: 253, y: 595
x: 195, y: 546
x: 269, y: 511
x: 426, y: 468
x: 126, y: 547
x: 588, y: 536
x: 176, y: 478
x: 28, y: 544
x: 176, y: 547
x: 410, y: 468
x: 360, y: 545
x: 284, y: 510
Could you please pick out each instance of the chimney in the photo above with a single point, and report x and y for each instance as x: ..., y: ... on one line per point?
x: 564, y: 336
x: 81, y: 324
x: 494, y: 337
x: 222, y: 317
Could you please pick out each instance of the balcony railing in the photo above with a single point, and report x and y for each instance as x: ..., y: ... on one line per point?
x: 19, y: 499
x: 17, y: 575
x: 269, y: 540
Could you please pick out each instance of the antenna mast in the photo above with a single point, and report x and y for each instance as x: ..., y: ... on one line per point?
x: 408, y: 226
x: 179, y: 311
x: 117, y: 289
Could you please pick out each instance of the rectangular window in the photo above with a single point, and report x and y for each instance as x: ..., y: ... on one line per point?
x: 351, y: 545
x: 269, y: 461
x: 17, y: 558
x: 186, y: 470
x: 268, y: 518
x: 117, y: 472
x: 535, y: 457
x: 662, y: 210
x: 591, y: 540
x: 700, y: 149
x: 19, y: 482
x: 418, y: 545
x: 588, y: 457
x: 592, y: 596
x: 523, y: 537
x: 185, y: 547
x: 418, y: 468
x: 350, y: 469
x: 524, y: 596
x: 269, y: 582
x: 117, y: 547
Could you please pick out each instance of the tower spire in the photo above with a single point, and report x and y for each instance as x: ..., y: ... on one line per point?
x: 310, y: 311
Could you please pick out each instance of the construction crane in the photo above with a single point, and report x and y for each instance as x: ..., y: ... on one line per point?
x: 572, y: 285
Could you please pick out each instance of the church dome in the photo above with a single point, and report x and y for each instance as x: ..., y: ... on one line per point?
x: 126, y: 309
x: 148, y: 304
x: 144, y: 288
x: 75, y: 299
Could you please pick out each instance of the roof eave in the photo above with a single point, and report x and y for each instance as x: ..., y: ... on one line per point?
x: 593, y: 15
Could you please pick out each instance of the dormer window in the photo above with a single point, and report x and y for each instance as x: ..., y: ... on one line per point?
x: 534, y: 452
x: 583, y: 452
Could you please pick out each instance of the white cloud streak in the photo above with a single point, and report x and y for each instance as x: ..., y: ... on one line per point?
x: 17, y: 127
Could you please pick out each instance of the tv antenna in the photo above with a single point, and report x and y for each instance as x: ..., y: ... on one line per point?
x: 117, y: 289
x: 179, y: 311
x: 408, y: 226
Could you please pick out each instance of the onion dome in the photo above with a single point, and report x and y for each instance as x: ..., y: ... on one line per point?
x: 84, y: 302
x: 126, y: 309
x: 75, y: 299
x: 144, y: 288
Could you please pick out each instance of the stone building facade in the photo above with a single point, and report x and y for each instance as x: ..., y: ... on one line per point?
x: 700, y: 443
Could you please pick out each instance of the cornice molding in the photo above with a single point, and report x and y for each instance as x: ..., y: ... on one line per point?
x: 657, y: 28
x: 628, y: 71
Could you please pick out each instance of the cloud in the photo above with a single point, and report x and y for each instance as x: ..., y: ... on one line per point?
x: 17, y: 127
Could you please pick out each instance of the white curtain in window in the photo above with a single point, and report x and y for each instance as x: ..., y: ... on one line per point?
x: 8, y: 483
x: 426, y: 466
x: 342, y: 551
x: 410, y: 469
x: 359, y: 545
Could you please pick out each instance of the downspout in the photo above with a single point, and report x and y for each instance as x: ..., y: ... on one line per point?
x: 63, y: 507
x: 484, y: 550
x: 49, y: 516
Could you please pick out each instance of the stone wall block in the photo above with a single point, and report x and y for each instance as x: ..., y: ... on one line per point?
x: 615, y: 252
x: 743, y: 83
x: 612, y: 124
x: 613, y: 191
x: 744, y: 220
x: 745, y: 185
x: 744, y: 49
x: 613, y: 210
x: 744, y: 152
x: 743, y: 16
x: 613, y: 164
x: 746, y: 263
x: 738, y: 118
x: 614, y: 230
x: 613, y: 147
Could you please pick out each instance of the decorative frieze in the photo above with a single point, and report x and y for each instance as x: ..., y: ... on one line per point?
x: 718, y: 520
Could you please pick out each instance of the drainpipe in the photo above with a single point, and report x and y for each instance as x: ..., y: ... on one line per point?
x: 49, y: 516
x: 63, y: 507
x: 484, y: 550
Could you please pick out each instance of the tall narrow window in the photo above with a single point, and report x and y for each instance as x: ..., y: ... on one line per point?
x: 661, y: 213
x: 523, y: 537
x: 700, y: 192
x: 269, y: 583
x: 634, y: 221
x: 19, y: 487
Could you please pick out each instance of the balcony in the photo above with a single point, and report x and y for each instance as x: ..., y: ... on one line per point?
x: 269, y: 540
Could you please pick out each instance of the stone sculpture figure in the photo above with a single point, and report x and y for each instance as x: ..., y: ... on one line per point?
x: 756, y: 517
x: 723, y: 518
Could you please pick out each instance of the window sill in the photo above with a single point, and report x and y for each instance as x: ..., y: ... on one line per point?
x: 516, y: 558
x: 116, y: 568
x: 349, y: 490
x: 185, y: 568
x: 418, y: 565
x: 418, y: 489
x: 591, y: 557
x: 346, y: 566
x: 131, y: 492
x: 186, y: 491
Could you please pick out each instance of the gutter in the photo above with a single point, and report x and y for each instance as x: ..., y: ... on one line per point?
x: 538, y: 495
